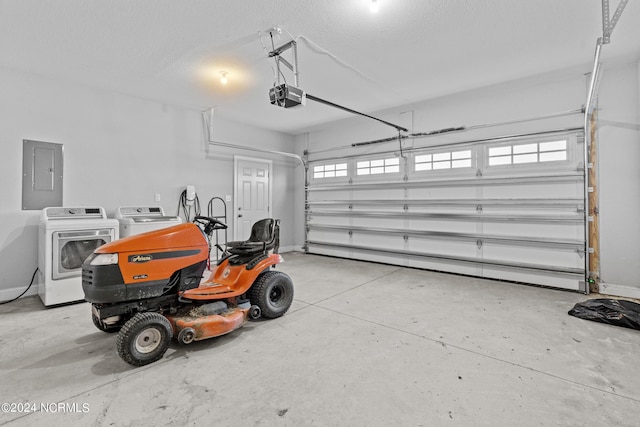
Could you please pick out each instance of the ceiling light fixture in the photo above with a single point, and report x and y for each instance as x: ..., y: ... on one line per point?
x: 374, y: 7
x: 223, y: 79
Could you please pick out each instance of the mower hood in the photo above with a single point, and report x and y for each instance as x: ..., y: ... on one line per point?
x: 187, y: 235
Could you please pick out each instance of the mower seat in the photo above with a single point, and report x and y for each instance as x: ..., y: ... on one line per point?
x: 265, y: 235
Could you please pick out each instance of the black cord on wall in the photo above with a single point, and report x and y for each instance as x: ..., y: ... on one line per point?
x: 25, y: 291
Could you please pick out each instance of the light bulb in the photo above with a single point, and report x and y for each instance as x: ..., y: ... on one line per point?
x: 374, y: 7
x: 223, y: 79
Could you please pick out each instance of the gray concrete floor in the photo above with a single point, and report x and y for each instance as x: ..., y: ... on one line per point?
x: 363, y: 345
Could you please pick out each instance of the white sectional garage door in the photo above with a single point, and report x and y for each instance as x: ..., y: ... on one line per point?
x: 508, y: 208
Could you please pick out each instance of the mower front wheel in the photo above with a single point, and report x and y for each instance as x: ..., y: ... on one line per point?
x: 273, y: 293
x: 144, y: 338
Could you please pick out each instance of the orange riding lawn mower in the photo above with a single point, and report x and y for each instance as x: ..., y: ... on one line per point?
x: 149, y: 288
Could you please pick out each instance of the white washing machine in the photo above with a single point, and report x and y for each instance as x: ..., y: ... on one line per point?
x: 140, y: 219
x: 66, y: 237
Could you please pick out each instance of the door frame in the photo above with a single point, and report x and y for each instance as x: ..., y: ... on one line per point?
x: 236, y: 159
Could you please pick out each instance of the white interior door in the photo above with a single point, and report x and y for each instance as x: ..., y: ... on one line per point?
x: 253, y: 194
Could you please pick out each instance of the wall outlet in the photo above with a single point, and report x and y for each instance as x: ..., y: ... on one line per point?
x: 156, y: 198
x: 227, y: 198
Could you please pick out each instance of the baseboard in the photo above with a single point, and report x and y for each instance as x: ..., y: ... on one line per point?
x: 619, y: 290
x: 285, y: 249
x: 11, y: 293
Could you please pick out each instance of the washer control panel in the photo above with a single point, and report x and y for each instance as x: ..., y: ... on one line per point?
x: 72, y: 212
x: 132, y: 211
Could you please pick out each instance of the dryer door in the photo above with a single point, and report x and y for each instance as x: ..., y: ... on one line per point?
x: 71, y: 248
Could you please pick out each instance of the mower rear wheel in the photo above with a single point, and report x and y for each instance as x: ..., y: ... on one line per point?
x: 144, y: 338
x: 273, y: 293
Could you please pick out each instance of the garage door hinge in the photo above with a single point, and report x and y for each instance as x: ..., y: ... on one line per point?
x: 405, y: 207
x: 479, y: 243
x: 479, y: 208
x: 350, y: 233
x: 479, y: 173
x: 406, y: 237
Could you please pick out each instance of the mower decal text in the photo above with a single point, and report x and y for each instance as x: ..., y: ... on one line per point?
x: 140, y: 258
x: 140, y: 276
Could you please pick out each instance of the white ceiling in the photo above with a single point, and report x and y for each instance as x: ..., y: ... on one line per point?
x: 173, y: 50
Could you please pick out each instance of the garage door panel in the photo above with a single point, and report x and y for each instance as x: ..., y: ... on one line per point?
x: 376, y: 241
x: 374, y: 193
x: 330, y: 236
x: 378, y: 222
x: 376, y: 206
x: 555, y: 280
x: 560, y: 187
x: 321, y: 249
x: 445, y: 226
x: 437, y: 190
x: 446, y: 265
x: 329, y: 220
x: 539, y: 256
x: 446, y: 248
x: 331, y: 192
x: 387, y: 258
x: 563, y: 208
x: 535, y: 231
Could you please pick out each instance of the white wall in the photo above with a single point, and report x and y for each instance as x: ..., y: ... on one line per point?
x: 287, y: 170
x: 550, y: 93
x: 118, y: 150
x: 619, y: 178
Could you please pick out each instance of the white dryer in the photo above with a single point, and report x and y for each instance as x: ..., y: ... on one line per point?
x: 66, y: 237
x: 140, y: 219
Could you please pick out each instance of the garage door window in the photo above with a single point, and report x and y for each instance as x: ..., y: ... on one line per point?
x: 446, y: 160
x: 528, y: 153
x: 330, y: 171
x: 379, y: 166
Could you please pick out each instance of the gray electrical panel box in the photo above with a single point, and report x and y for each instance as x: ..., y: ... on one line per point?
x: 41, y: 174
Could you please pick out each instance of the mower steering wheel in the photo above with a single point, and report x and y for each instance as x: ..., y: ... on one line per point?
x: 210, y: 224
